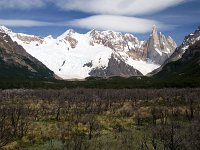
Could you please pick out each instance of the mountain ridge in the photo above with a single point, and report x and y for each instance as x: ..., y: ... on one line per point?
x: 71, y: 52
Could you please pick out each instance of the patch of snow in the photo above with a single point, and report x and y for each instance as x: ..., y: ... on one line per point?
x: 143, y: 66
x: 185, y: 47
x: 168, y: 50
x: 158, y: 51
x: 49, y: 37
x: 130, y: 44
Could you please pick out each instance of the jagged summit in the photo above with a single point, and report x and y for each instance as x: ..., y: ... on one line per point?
x: 154, y: 30
x: 159, y: 48
x: 69, y: 32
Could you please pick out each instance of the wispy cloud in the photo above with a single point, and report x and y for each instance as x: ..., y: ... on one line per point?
x: 117, y: 7
x: 100, y: 22
x: 118, y: 15
x: 25, y: 23
x: 117, y: 23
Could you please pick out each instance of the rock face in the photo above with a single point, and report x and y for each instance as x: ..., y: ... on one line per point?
x: 158, y: 47
x: 115, y: 40
x: 185, y: 60
x: 116, y: 67
x: 119, y: 42
x: 28, y: 39
x: 97, y: 53
x: 67, y: 38
x: 15, y: 62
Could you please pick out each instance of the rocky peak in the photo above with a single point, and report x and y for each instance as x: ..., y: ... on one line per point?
x: 171, y: 42
x: 192, y: 38
x: 158, y: 47
x: 109, y: 39
x: 93, y: 32
x: 67, y: 37
x: 114, y: 40
x: 69, y: 32
x: 110, y: 35
x: 154, y: 29
x: 154, y: 35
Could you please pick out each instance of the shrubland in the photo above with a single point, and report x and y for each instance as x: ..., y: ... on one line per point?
x: 100, y: 119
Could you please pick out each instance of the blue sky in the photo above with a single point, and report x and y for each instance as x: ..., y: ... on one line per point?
x: 176, y: 18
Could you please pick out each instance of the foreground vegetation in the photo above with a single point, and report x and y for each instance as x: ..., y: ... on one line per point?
x: 100, y: 119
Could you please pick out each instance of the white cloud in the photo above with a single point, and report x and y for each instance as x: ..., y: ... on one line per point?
x: 22, y: 4
x: 25, y: 23
x: 107, y: 14
x: 117, y: 7
x: 117, y: 23
x: 100, y: 22
x: 112, y: 7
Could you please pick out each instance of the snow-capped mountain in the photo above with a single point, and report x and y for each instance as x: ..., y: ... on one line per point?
x: 158, y: 47
x: 107, y: 53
